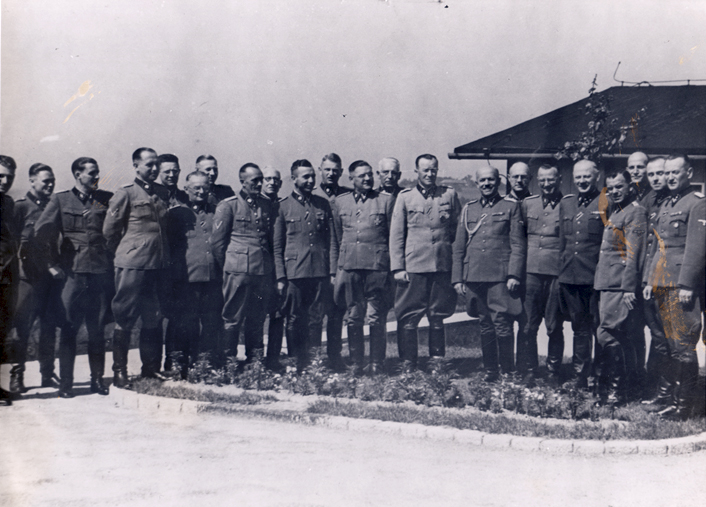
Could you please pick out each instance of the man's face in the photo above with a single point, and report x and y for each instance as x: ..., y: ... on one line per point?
x: 678, y: 174
x: 519, y: 176
x: 585, y: 176
x: 426, y: 172
x: 42, y: 184
x: 252, y: 181
x: 637, y: 166
x: 88, y: 178
x: 146, y: 167
x: 617, y: 188
x: 389, y: 174
x: 304, y: 179
x: 271, y: 181
x: 548, y: 180
x: 7, y: 177
x: 169, y: 174
x: 197, y: 188
x: 362, y: 179
x: 210, y: 168
x: 330, y: 172
x: 488, y: 181
x: 655, y: 175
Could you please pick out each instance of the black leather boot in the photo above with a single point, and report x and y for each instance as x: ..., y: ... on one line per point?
x: 17, y: 384
x: 67, y: 358
x: 356, y: 347
x: 410, y: 347
x: 151, y: 352
x: 378, y: 348
x: 96, y: 361
x: 437, y: 340
x: 665, y: 385
x: 121, y: 346
x: 685, y: 388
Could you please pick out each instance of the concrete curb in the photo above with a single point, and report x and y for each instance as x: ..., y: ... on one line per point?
x: 665, y: 447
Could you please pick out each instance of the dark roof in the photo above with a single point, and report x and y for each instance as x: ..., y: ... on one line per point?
x: 675, y: 120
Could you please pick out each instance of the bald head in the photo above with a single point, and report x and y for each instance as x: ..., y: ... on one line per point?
x: 585, y: 175
x: 488, y: 179
x: 272, y: 181
x: 637, y: 167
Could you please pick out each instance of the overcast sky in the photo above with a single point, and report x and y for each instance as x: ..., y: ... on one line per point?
x: 273, y: 81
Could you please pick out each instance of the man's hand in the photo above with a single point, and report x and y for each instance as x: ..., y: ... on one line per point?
x: 629, y: 300
x: 281, y: 286
x: 685, y: 296
x: 401, y: 276
x: 460, y: 288
x: 647, y: 293
x: 57, y: 273
x: 513, y: 284
x: 333, y: 279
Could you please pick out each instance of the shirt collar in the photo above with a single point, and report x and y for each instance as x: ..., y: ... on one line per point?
x: 300, y: 198
x: 198, y: 206
x: 36, y: 200
x: 490, y: 201
x: 426, y: 192
x: 587, y: 198
x: 361, y: 197
x: 83, y: 197
x: 661, y: 196
x: 148, y: 187
x: 552, y: 200
x: 329, y: 190
x: 252, y: 202
x: 519, y: 197
x: 674, y: 198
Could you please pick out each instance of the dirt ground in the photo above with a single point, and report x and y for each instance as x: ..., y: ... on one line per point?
x: 88, y: 452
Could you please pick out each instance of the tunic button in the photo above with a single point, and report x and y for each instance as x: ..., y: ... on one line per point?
x: 576, y: 253
x: 577, y: 242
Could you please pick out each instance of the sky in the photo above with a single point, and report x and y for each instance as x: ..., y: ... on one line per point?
x: 272, y: 81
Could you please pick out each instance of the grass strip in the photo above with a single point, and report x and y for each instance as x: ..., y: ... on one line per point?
x: 157, y: 388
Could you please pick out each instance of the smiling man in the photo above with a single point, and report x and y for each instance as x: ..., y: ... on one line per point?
x: 637, y: 168
x: 209, y: 165
x: 676, y: 278
x: 168, y: 166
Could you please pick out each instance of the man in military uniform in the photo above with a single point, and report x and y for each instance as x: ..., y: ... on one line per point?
x: 676, y: 279
x: 8, y: 257
x: 38, y: 292
x: 422, y: 231
x: 271, y: 184
x: 303, y: 243
x: 519, y: 177
x: 541, y: 216
x: 637, y: 168
x: 75, y: 218
x: 168, y: 166
x: 489, y: 255
x: 361, y: 220
x: 242, y: 245
x: 389, y: 176
x: 209, y: 165
x: 618, y: 277
x: 582, y: 218
x: 330, y: 171
x: 195, y: 321
x: 135, y: 232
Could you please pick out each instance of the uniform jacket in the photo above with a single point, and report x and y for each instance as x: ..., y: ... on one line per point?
x: 543, y: 224
x: 681, y: 254
x: 394, y: 193
x: 304, y: 239
x: 8, y: 240
x: 622, y: 250
x: 362, y: 231
x: 651, y: 202
x: 79, y: 226
x: 28, y: 209
x: 242, y: 234
x: 189, y: 228
x: 330, y: 193
x: 490, y: 243
x: 220, y: 193
x: 135, y: 227
x: 177, y: 196
x: 423, y: 230
x: 581, y: 237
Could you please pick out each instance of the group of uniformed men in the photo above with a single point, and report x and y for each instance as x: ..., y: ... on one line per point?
x: 216, y: 263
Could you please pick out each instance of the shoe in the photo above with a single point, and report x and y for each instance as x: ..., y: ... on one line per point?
x: 98, y: 387
x: 66, y: 394
x: 121, y: 381
x: 17, y: 385
x: 49, y: 382
x: 6, y: 397
x: 157, y: 376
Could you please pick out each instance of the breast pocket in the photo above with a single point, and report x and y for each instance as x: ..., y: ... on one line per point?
x: 320, y: 221
x: 445, y: 211
x: 677, y: 227
x: 377, y: 219
x: 595, y: 226
x: 415, y: 216
x: 346, y: 218
x: 294, y: 225
x: 97, y: 217
x: 532, y: 224
x: 501, y: 224
x: 74, y: 220
x: 242, y: 223
x: 141, y: 209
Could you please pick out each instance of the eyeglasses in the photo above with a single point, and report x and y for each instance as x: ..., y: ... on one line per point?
x: 636, y: 166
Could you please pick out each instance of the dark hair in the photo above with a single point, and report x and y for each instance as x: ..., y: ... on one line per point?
x: 8, y: 162
x: 247, y: 166
x: 655, y: 159
x: 683, y: 156
x: 300, y: 163
x: 614, y: 173
x: 137, y: 154
x: 193, y: 174
x: 358, y: 163
x: 80, y: 164
x: 333, y: 158
x: 206, y: 157
x: 167, y: 157
x: 425, y: 156
x: 35, y: 169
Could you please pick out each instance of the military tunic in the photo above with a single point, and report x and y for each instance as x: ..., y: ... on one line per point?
x: 219, y: 193
x: 8, y: 265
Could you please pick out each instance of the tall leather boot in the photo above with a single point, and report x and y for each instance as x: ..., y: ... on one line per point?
x: 17, y: 376
x: 334, y: 333
x: 489, y: 347
x: 67, y: 357
x: 663, y: 370
x: 96, y: 362
x: 151, y: 352
x: 616, y: 376
x: 378, y: 347
x: 437, y: 340
x: 356, y: 347
x: 274, y: 342
x: 411, y: 347
x: 45, y: 352
x: 684, y: 392
x: 121, y: 346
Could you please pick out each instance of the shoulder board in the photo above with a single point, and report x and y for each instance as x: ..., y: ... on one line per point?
x: 384, y: 192
x: 126, y: 185
x: 636, y: 204
x: 284, y: 198
x: 345, y: 193
x: 62, y: 192
x: 699, y: 195
x: 24, y: 198
x: 568, y: 195
x: 405, y: 190
x: 231, y: 198
x: 473, y: 201
x: 531, y: 197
